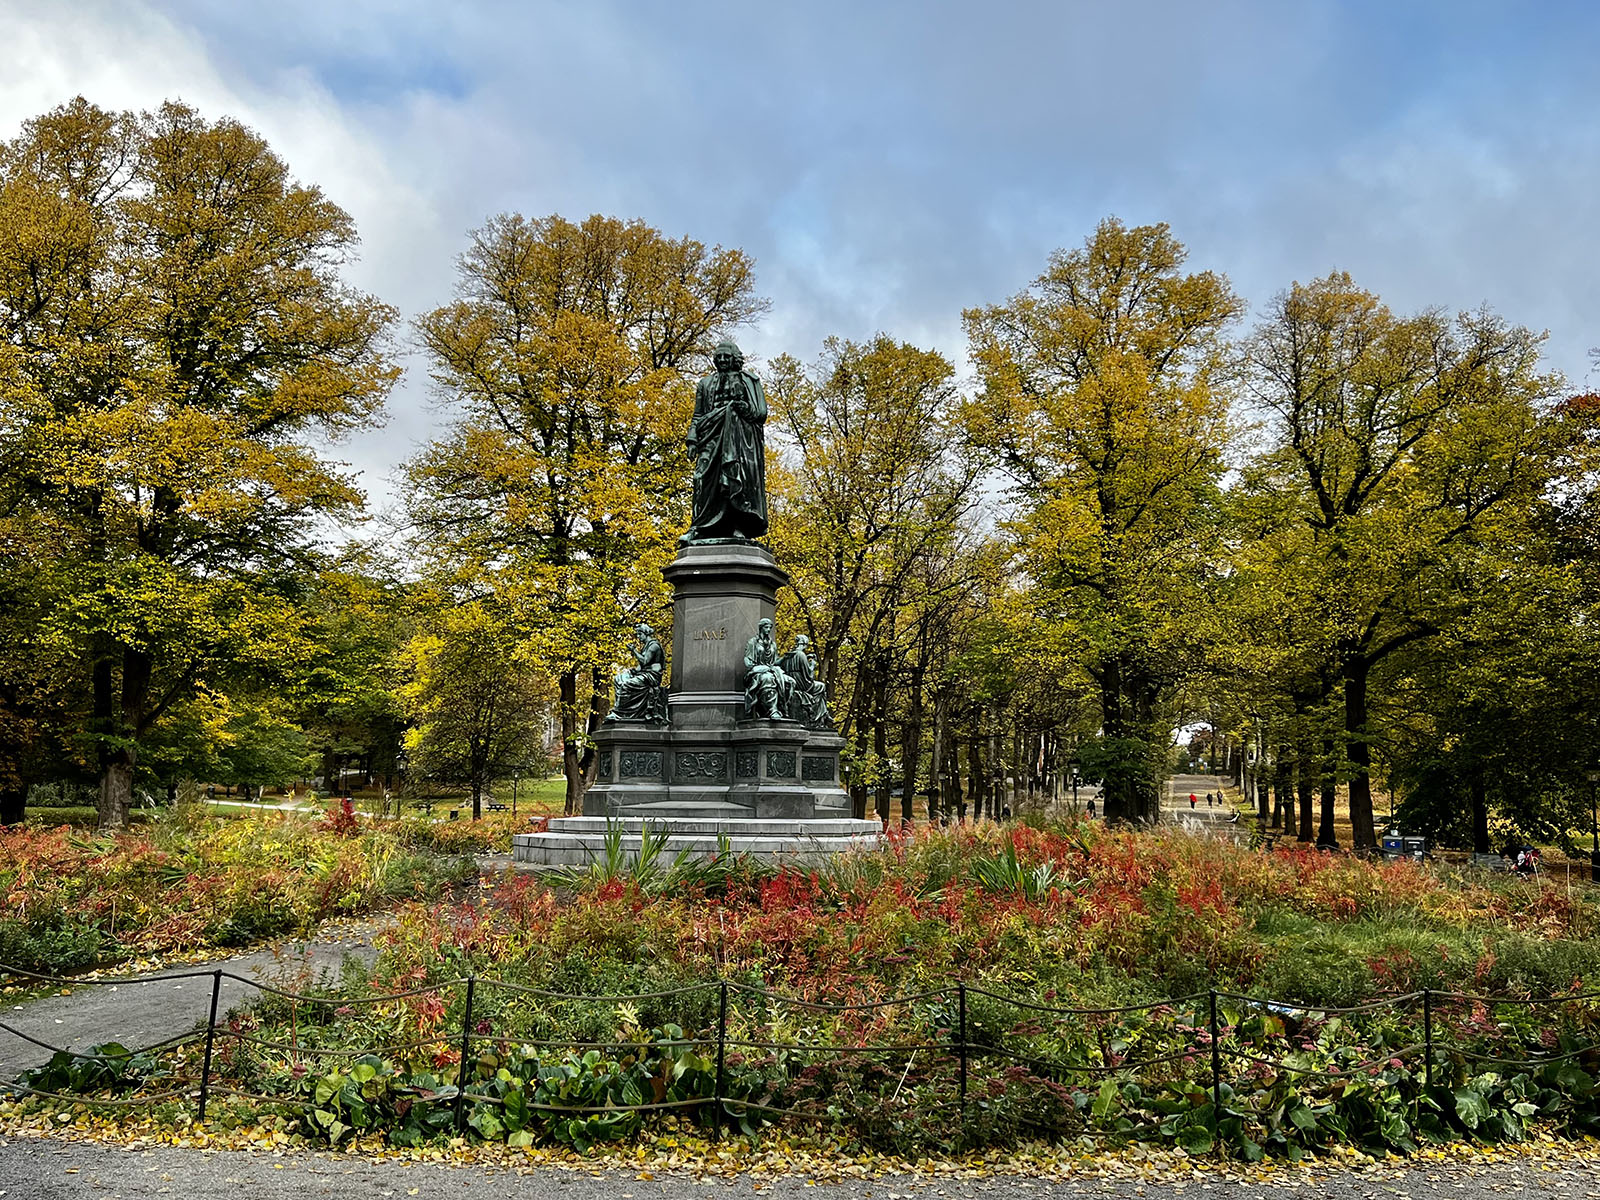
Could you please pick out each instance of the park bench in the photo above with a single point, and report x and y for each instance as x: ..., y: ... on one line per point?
x: 496, y: 806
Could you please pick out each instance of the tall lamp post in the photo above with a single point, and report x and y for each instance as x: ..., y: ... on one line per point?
x: 516, y: 776
x: 1594, y: 853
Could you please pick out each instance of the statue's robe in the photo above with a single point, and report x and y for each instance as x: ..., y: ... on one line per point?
x: 730, y: 468
x: 766, y: 687
x: 638, y: 689
x: 808, y: 695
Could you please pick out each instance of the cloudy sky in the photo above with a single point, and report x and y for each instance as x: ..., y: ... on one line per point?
x: 888, y: 163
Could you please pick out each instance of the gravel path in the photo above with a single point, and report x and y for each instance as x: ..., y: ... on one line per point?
x: 140, y: 1012
x: 46, y: 1169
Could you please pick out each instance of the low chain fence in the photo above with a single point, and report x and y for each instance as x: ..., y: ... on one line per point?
x: 958, y: 1067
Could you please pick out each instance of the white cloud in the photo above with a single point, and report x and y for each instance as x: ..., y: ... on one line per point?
x: 890, y: 164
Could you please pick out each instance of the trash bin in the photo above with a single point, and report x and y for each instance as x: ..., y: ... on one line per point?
x: 1393, y: 845
x: 1416, y: 847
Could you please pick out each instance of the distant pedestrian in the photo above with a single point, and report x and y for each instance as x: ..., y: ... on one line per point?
x: 1208, y: 799
x: 1192, y: 800
x: 1091, y: 808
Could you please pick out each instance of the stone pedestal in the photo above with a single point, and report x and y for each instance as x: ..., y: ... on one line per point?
x: 708, y: 763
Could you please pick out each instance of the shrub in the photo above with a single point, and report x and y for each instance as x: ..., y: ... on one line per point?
x: 70, y: 899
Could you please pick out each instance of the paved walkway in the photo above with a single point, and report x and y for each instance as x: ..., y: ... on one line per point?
x: 142, y: 1011
x: 1216, y: 821
x: 46, y: 1169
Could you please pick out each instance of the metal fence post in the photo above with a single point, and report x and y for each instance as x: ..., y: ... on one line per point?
x: 1216, y: 1067
x: 1427, y: 1037
x: 961, y: 1042
x: 461, y: 1072
x: 211, y: 1037
x: 722, y: 1050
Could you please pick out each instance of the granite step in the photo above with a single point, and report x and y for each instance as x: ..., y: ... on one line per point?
x: 710, y: 824
x: 577, y: 841
x: 674, y: 810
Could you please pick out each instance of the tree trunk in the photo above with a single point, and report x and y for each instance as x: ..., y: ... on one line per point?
x: 571, y: 762
x: 975, y: 776
x: 936, y: 768
x: 1282, y: 797
x: 1245, y: 776
x: 14, y: 802
x: 880, y: 737
x: 1263, y: 797
x: 952, y: 803
x: 116, y: 783
x: 1326, y: 835
x: 1480, y: 813
x: 1119, y: 797
x: 1305, y: 784
x: 858, y: 790
x: 116, y: 790
x: 1359, y: 751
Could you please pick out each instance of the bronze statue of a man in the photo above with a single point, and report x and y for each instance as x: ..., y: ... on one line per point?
x: 808, y: 695
x: 639, y: 694
x: 766, y: 687
x: 725, y: 441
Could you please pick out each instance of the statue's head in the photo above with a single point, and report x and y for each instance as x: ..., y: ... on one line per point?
x: 728, y: 356
x: 764, y: 629
x: 802, y: 643
x: 644, y: 631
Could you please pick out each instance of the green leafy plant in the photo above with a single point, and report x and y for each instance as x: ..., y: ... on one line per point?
x: 1005, y: 872
x: 109, y: 1066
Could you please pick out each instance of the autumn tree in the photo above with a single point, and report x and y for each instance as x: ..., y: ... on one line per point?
x: 477, y: 712
x: 568, y: 358
x: 870, y: 503
x: 1494, y: 718
x: 176, y: 331
x: 346, y: 699
x: 1268, y: 662
x: 1103, y: 402
x: 1397, y: 446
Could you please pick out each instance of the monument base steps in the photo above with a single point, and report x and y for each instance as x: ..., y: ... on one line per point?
x: 577, y: 841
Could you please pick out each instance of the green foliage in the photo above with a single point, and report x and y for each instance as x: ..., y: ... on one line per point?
x: 180, y: 339
x: 1005, y: 873
x: 520, y: 1095
x: 647, y: 869
x: 110, y: 1066
x: 477, y: 712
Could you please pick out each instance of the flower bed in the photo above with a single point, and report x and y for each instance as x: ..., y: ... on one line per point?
x: 70, y: 899
x: 1127, y: 987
